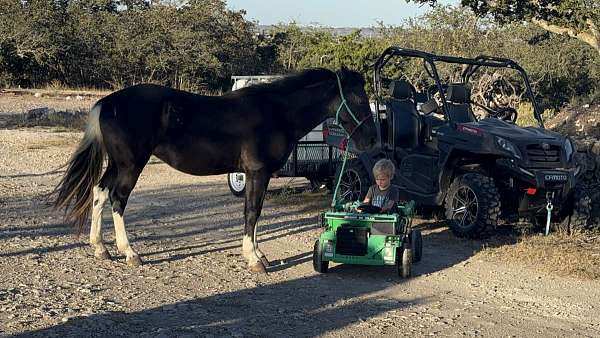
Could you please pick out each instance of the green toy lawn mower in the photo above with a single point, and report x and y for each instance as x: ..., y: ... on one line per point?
x: 359, y: 234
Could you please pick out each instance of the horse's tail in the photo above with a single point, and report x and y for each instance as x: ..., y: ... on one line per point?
x: 74, y: 191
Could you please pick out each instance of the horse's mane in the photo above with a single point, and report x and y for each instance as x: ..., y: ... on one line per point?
x: 295, y: 81
x: 288, y: 82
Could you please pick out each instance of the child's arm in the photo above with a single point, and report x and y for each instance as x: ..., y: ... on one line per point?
x: 369, y: 195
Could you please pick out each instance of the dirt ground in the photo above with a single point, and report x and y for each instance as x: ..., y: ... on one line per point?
x: 194, y: 283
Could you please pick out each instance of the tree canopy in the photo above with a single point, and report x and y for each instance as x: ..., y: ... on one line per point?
x: 197, y: 47
x: 579, y: 19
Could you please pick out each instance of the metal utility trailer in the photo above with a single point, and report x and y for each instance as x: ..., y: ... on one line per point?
x: 312, y: 157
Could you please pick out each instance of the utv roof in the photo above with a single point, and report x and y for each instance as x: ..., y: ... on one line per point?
x: 473, y: 64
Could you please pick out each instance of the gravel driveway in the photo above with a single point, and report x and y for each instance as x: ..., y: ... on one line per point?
x: 194, y: 282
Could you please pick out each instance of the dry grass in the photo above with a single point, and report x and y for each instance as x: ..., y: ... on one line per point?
x: 51, y: 143
x: 21, y: 101
x: 288, y: 195
x: 575, y: 255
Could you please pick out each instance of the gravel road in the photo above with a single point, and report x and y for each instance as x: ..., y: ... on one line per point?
x: 194, y: 283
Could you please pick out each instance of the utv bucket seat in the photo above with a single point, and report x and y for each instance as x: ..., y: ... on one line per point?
x: 404, y: 122
x: 459, y: 98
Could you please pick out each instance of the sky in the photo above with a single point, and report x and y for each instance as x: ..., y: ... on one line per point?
x: 331, y: 13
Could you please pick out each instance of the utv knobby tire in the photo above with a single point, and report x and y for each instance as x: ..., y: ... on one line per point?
x: 355, y: 181
x: 580, y: 218
x: 487, y: 206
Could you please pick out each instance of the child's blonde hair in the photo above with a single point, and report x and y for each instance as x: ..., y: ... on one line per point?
x: 384, y: 167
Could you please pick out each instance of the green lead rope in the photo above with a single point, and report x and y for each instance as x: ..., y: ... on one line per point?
x: 345, y: 156
x: 337, y: 186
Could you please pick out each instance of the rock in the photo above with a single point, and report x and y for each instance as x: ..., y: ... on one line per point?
x: 39, y: 113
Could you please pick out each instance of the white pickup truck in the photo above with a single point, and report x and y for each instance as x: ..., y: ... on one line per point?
x: 311, y: 158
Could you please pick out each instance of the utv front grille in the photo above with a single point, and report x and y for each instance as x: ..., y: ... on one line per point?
x: 543, y: 155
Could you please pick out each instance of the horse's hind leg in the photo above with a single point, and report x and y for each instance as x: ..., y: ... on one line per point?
x: 119, y: 194
x: 256, y: 187
x: 100, y: 195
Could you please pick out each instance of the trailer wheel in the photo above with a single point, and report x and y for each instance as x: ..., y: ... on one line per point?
x: 237, y: 184
x: 416, y: 240
x: 472, y: 205
x: 319, y: 265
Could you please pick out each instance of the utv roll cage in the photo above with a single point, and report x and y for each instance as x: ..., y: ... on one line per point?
x: 429, y: 63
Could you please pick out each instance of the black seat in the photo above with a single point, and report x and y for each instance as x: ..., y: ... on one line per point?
x: 404, y: 122
x: 459, y: 98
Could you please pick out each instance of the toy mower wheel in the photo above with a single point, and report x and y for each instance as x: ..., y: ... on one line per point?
x: 404, y: 262
x: 416, y: 239
x: 319, y: 265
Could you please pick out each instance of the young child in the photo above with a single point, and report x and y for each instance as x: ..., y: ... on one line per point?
x: 382, y: 194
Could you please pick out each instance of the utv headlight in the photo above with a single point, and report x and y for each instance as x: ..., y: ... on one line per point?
x: 508, y: 146
x: 569, y: 149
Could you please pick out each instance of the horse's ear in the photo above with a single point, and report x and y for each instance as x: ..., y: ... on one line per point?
x: 343, y: 72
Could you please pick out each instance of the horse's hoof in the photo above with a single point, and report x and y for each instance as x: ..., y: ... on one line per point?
x: 104, y: 255
x: 133, y: 260
x: 265, y: 261
x: 258, y: 267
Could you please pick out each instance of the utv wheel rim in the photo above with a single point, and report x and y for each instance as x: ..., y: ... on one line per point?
x: 350, y: 186
x: 238, y: 181
x: 464, y: 207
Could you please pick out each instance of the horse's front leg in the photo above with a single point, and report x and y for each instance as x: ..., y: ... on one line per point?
x: 119, y: 195
x: 256, y: 187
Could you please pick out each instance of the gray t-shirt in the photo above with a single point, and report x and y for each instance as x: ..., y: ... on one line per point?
x: 379, y: 198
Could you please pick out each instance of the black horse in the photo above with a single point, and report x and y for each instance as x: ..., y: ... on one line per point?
x: 252, y: 130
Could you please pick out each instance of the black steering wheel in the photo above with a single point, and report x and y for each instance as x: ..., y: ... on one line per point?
x: 508, y: 114
x: 369, y: 209
x: 433, y: 89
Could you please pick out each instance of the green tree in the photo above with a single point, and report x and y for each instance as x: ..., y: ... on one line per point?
x: 579, y: 19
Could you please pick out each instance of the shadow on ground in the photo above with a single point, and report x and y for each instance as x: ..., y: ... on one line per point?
x: 305, y: 307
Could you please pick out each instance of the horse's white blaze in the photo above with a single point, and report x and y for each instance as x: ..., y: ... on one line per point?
x: 121, y: 236
x: 99, y: 197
